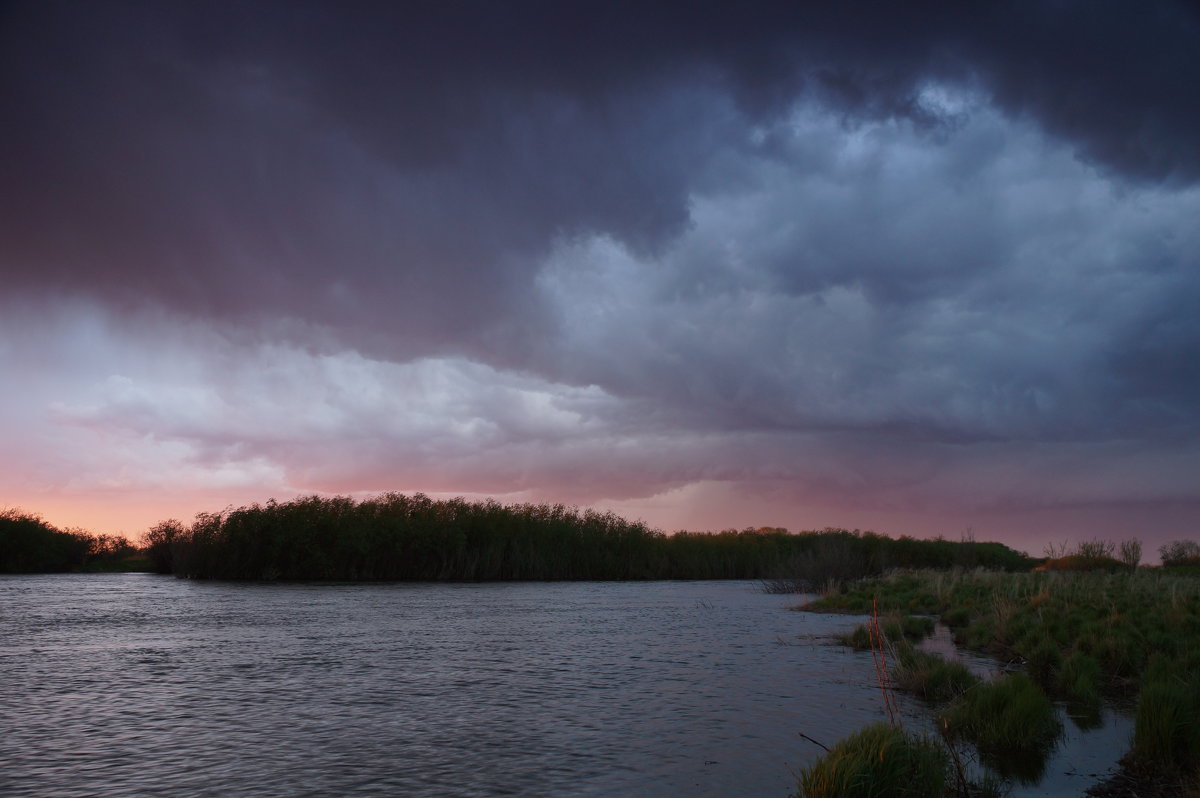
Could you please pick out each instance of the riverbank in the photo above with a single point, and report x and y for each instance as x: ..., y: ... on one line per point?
x: 1075, y: 638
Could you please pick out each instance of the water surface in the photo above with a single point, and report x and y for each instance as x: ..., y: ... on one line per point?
x: 134, y: 684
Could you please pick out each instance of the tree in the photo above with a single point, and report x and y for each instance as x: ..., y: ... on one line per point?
x: 1095, y: 548
x: 159, y: 543
x: 1130, y: 553
x: 1179, y: 552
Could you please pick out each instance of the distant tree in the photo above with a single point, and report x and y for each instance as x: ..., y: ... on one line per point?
x: 29, y: 544
x: 1054, y: 551
x: 966, y: 555
x: 1095, y: 548
x: 1130, y: 553
x: 1179, y: 552
x: 160, y: 540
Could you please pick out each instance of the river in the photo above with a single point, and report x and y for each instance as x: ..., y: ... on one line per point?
x: 141, y: 685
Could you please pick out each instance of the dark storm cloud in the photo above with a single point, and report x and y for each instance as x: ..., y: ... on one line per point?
x: 931, y: 224
x: 223, y: 157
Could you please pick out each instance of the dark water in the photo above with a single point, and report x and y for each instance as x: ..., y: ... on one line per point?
x: 132, y: 684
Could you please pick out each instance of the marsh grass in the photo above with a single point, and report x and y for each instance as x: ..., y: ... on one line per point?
x: 1044, y: 662
x: 895, y: 628
x: 1167, y: 731
x: 1078, y: 635
x: 1079, y: 677
x: 931, y: 677
x: 879, y: 761
x: 1009, y: 714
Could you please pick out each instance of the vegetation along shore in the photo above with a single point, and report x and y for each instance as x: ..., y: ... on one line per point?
x: 1077, y: 632
x: 414, y: 537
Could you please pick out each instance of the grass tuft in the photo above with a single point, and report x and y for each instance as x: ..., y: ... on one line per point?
x: 879, y: 761
x: 1167, y: 729
x: 1044, y: 663
x: 931, y: 677
x: 1079, y: 679
x: 895, y: 628
x: 1009, y: 714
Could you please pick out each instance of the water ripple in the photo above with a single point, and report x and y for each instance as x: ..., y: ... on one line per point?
x: 131, y: 684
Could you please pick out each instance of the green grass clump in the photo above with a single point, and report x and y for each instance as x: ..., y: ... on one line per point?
x: 980, y: 635
x: 956, y: 617
x: 915, y: 628
x: 879, y: 761
x: 931, y: 677
x: 859, y: 639
x: 1044, y: 662
x: 1079, y: 679
x: 1011, y: 714
x: 1167, y: 729
x: 894, y: 627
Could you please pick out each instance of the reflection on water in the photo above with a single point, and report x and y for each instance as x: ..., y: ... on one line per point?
x: 132, y: 684
x: 1027, y: 767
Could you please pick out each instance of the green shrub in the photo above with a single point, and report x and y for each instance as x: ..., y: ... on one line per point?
x: 877, y: 762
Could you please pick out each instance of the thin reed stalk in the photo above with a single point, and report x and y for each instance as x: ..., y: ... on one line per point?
x: 879, y: 655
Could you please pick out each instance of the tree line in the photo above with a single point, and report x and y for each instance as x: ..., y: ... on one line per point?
x: 29, y: 545
x: 396, y: 536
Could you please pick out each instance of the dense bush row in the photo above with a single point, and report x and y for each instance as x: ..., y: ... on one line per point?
x: 397, y: 536
x: 30, y: 545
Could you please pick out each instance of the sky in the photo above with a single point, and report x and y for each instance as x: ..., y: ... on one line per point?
x: 922, y: 268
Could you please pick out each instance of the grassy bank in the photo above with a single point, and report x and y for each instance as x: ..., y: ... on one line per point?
x: 1076, y: 636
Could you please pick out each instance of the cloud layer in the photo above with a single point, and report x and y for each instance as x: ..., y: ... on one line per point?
x: 828, y: 264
